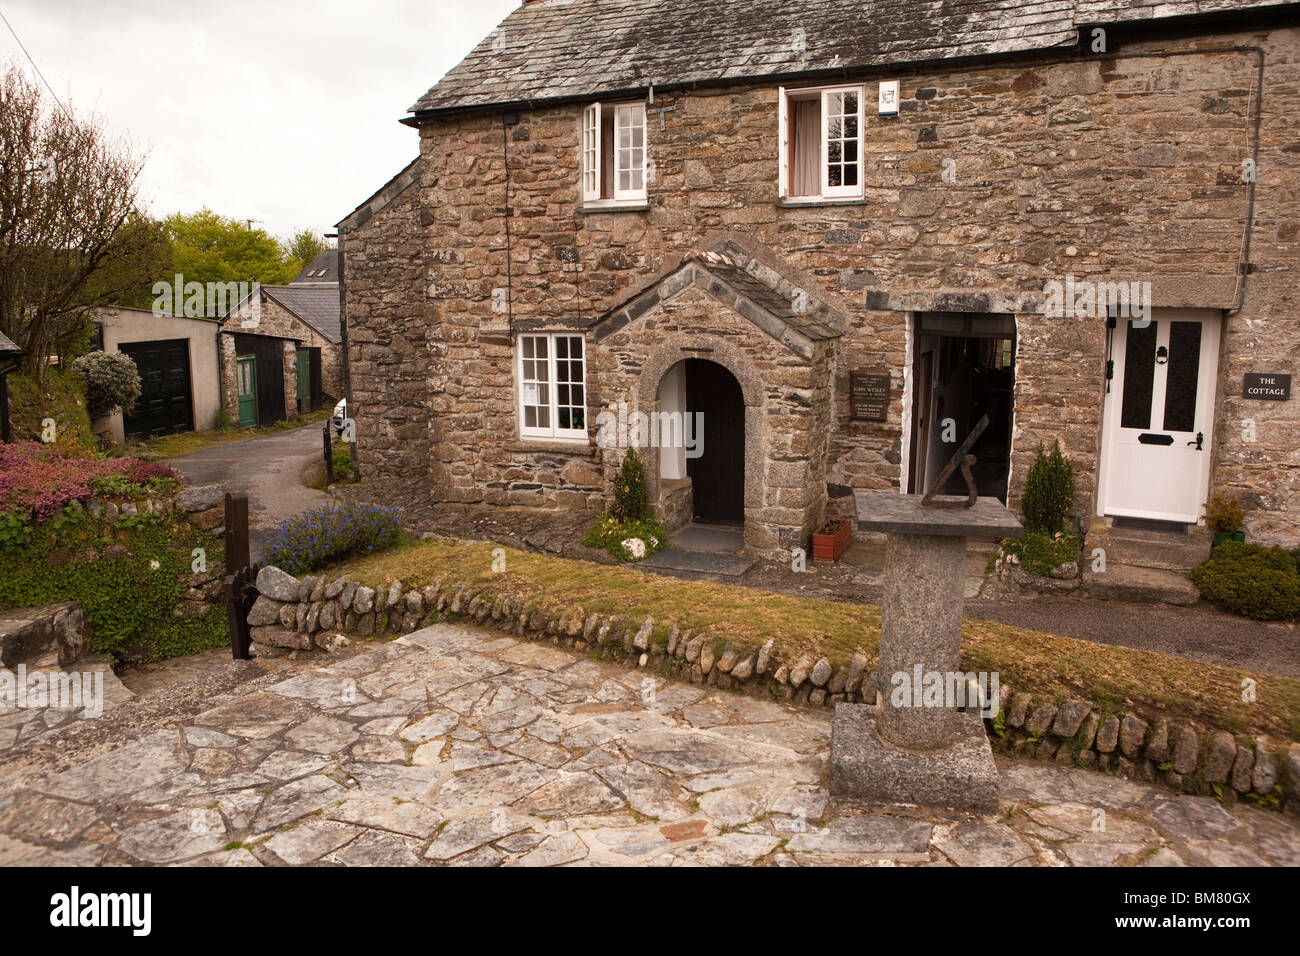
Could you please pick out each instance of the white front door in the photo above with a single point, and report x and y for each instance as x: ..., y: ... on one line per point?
x: 1159, y: 416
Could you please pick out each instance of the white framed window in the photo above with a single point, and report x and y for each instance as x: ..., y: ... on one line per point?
x: 613, y: 150
x: 552, y: 377
x: 820, y: 143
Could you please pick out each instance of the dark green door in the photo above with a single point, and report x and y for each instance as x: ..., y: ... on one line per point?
x: 246, y: 388
x: 304, y: 380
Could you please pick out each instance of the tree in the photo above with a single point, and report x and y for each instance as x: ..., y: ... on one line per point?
x: 72, y: 235
x: 207, y: 247
x: 304, y: 247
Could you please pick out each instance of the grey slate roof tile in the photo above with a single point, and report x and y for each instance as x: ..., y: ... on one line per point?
x: 563, y: 49
x: 323, y: 268
x: 317, y: 306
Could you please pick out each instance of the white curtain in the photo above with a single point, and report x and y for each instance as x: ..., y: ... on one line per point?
x: 805, y: 164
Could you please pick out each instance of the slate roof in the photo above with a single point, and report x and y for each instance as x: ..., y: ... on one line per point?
x: 8, y: 347
x: 552, y: 50
x: 743, y: 283
x: 323, y: 268
x: 318, y: 306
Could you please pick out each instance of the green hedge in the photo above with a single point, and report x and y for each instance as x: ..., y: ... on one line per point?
x: 1258, y: 582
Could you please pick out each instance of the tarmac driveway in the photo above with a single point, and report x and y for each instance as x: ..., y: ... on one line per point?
x: 268, y: 469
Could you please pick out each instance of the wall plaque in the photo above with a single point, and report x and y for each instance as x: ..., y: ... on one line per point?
x: 1270, y: 386
x: 869, y: 396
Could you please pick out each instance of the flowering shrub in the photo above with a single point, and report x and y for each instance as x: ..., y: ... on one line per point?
x: 112, y: 381
x: 313, y: 539
x: 37, y: 479
x: 626, y: 540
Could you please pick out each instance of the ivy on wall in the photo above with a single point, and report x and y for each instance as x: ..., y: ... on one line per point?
x: 129, y: 574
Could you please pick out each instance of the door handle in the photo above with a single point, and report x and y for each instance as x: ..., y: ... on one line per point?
x: 1200, y: 441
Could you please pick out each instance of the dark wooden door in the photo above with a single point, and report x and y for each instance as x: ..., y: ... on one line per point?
x: 718, y: 475
x: 316, y: 394
x: 164, y: 405
x: 269, y: 353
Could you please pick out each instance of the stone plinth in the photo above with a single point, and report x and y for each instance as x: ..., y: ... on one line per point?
x: 868, y: 770
x: 911, y: 749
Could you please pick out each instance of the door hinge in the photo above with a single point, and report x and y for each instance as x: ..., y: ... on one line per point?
x: 1110, y: 369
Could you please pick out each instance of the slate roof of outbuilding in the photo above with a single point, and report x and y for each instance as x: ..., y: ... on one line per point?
x: 550, y: 50
x: 323, y: 268
x: 7, y: 346
x: 317, y: 306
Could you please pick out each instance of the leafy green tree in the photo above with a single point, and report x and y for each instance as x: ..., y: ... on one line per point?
x: 304, y: 247
x: 207, y: 247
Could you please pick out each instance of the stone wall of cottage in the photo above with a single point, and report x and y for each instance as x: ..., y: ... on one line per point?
x: 398, y: 332
x: 1122, y: 166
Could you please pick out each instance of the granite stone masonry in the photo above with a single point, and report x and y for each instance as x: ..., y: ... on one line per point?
x: 999, y: 175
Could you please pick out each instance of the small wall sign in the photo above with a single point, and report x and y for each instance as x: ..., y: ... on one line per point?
x: 869, y: 396
x: 888, y: 105
x: 1270, y: 386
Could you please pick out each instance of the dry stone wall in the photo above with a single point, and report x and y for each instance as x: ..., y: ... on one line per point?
x: 315, y: 613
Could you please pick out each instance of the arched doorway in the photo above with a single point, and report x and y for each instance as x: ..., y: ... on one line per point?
x: 716, y: 466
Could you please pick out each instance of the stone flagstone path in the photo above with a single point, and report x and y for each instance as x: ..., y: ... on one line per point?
x: 462, y: 747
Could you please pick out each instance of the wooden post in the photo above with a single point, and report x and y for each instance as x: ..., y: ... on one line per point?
x: 237, y: 552
x: 238, y: 588
x: 329, y: 456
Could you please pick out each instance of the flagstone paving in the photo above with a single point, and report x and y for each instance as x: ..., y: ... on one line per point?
x: 455, y: 746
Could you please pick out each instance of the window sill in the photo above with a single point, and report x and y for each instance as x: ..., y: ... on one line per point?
x: 641, y: 205
x: 815, y: 202
x: 550, y: 446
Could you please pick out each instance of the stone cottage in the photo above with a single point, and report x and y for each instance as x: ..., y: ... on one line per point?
x: 281, y: 348
x: 843, y: 233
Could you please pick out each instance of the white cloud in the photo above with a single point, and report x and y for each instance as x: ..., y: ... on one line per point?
x: 285, y: 113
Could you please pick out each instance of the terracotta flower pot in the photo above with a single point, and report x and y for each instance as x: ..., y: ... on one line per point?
x: 831, y: 540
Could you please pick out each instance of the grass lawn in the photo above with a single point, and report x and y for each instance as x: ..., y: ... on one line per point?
x: 185, y: 443
x: 1115, y: 679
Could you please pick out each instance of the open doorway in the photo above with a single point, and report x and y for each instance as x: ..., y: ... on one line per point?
x: 717, y: 475
x: 963, y: 368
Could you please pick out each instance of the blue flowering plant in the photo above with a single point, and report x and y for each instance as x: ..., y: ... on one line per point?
x: 322, y: 536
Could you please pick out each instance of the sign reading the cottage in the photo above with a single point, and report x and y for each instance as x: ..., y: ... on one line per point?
x: 1269, y: 386
x: 869, y: 396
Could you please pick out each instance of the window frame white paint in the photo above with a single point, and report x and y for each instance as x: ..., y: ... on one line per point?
x: 827, y: 191
x: 591, y: 154
x: 553, y: 432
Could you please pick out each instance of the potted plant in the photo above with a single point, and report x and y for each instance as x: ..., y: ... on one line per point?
x: 831, y: 539
x: 1225, y: 517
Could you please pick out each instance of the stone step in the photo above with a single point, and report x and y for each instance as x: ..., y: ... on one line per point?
x: 1151, y: 549
x: 45, y: 635
x: 1124, y: 582
x: 41, y: 707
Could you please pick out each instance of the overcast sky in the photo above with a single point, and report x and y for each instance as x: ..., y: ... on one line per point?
x: 275, y: 110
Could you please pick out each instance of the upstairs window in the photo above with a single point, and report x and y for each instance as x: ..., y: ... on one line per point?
x: 613, y: 153
x: 552, y: 387
x: 821, y: 143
